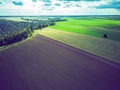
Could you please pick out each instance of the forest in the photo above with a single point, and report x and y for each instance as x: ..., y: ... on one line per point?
x: 14, y: 31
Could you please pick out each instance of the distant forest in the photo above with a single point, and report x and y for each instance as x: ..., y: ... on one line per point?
x: 14, y: 31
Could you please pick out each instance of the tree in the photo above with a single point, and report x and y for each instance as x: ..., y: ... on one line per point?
x: 105, y: 36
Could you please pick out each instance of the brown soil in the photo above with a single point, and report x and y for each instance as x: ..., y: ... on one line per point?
x: 44, y: 64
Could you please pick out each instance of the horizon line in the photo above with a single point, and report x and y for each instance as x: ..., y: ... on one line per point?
x: 56, y: 15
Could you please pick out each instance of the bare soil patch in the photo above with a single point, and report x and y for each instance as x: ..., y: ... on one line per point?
x: 42, y: 64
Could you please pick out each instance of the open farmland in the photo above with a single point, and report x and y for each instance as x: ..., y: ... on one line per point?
x: 44, y: 64
x: 59, y: 44
x: 68, y: 61
x: 91, y: 26
x: 102, y: 47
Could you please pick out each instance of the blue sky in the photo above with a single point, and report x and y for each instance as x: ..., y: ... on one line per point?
x: 59, y: 7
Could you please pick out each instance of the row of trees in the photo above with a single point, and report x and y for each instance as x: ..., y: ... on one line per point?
x: 9, y: 39
x: 13, y: 31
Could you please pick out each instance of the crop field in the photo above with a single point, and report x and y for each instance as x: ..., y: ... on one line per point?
x: 99, y: 46
x: 71, y: 53
x: 59, y: 44
x: 41, y: 63
x: 91, y: 26
x: 86, y: 33
x: 83, y: 32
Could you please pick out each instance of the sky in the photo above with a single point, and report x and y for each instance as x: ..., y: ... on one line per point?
x: 59, y: 7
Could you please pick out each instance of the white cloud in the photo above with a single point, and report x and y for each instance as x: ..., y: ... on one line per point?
x: 65, y: 8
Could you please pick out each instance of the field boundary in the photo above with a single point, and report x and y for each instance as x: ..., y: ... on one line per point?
x: 16, y: 43
x: 105, y: 48
x: 101, y: 59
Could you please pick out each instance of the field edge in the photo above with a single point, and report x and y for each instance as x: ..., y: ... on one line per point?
x: 105, y: 48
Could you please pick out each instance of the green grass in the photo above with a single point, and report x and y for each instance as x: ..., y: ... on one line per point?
x: 91, y: 26
x: 99, y: 46
x: 86, y: 34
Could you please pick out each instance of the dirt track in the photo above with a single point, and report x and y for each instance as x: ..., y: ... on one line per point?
x: 43, y: 64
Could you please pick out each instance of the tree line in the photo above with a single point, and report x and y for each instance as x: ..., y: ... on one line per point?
x: 13, y: 31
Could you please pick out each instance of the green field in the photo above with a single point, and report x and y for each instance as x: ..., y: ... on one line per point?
x: 106, y: 48
x: 91, y: 26
x: 86, y: 33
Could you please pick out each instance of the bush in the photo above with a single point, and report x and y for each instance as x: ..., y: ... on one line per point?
x: 105, y: 36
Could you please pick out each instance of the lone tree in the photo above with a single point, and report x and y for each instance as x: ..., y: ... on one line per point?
x: 105, y: 36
